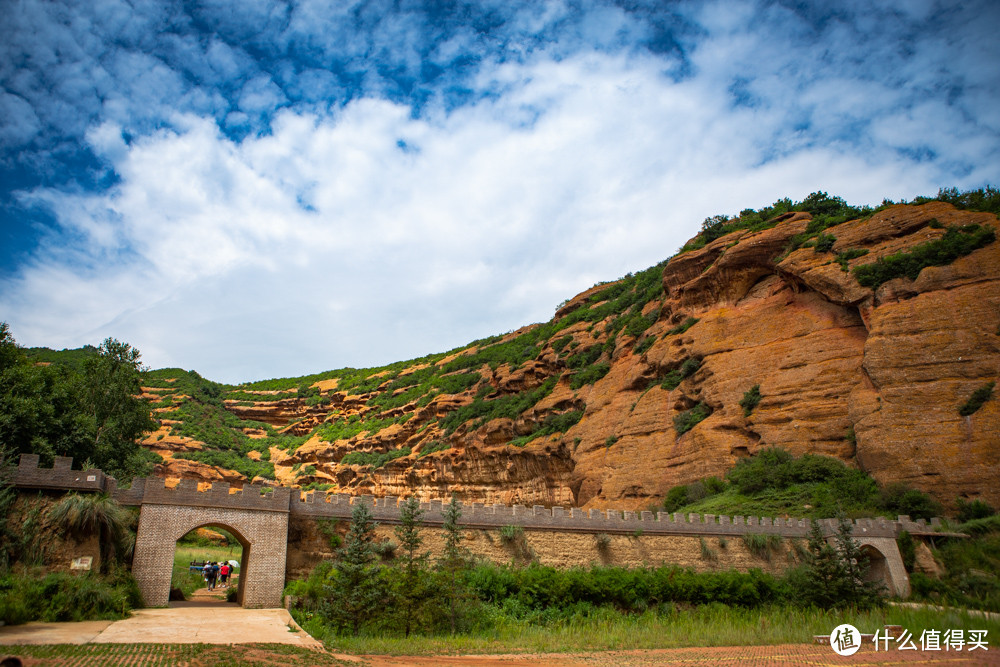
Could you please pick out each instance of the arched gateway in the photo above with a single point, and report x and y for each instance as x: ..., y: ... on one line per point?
x: 259, y: 520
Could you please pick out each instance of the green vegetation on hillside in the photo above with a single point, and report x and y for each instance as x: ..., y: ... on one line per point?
x: 774, y: 483
x: 956, y: 242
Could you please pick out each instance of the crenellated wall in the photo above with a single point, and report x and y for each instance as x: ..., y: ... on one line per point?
x: 219, y: 500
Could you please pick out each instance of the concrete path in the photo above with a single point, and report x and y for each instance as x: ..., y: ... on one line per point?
x: 83, y: 632
x: 186, y: 623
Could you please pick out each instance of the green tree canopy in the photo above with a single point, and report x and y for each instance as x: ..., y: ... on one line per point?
x: 95, y: 416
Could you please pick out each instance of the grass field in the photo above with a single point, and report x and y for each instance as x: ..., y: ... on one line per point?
x: 707, y: 625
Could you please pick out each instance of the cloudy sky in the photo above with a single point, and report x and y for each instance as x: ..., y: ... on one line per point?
x: 265, y: 188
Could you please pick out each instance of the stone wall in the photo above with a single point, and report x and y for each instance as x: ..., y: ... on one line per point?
x: 309, y: 544
x: 263, y: 535
x: 267, y: 520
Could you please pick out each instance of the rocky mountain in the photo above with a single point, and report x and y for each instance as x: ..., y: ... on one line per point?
x: 870, y: 336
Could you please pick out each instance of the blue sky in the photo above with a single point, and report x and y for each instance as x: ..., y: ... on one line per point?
x: 261, y: 188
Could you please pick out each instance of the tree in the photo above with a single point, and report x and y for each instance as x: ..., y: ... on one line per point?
x: 834, y: 576
x: 112, y: 383
x: 355, y: 590
x: 453, y: 560
x: 94, y: 415
x: 411, y: 584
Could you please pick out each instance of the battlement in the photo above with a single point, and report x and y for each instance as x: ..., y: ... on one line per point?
x: 60, y: 476
x: 478, y: 515
x: 153, y: 490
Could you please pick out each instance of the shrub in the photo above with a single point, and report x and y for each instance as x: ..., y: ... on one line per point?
x: 688, y: 419
x: 898, y: 498
x: 750, y: 400
x: 824, y: 243
x: 970, y: 511
x: 60, y: 597
x: 644, y: 345
x: 673, y: 378
x: 509, y: 534
x: 761, y: 546
x: 374, y: 459
x: 677, y: 497
x: 707, y: 553
x: 977, y: 399
x: 83, y: 515
x: 432, y: 447
x: 843, y: 257
x: 956, y: 242
x: 683, y: 326
x: 589, y: 375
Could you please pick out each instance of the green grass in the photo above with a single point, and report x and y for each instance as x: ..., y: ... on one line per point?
x: 673, y: 627
x: 972, y: 568
x: 374, y: 459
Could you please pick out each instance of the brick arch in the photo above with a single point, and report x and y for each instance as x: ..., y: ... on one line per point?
x: 263, y: 536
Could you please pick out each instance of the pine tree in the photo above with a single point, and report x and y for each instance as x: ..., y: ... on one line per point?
x: 453, y: 560
x: 355, y: 589
x: 835, y: 575
x: 411, y: 585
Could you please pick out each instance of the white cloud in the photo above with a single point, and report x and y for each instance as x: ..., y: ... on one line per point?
x: 370, y: 233
x: 326, y: 244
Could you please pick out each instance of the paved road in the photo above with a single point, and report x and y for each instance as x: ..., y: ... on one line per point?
x: 182, y: 623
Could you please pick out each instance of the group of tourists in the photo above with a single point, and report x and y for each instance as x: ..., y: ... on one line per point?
x: 216, y: 572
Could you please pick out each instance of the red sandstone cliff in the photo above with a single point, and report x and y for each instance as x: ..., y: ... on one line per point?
x: 873, y: 377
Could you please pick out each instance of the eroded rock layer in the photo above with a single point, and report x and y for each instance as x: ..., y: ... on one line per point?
x: 873, y: 377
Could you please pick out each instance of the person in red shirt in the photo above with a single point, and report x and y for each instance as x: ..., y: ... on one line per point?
x: 224, y: 574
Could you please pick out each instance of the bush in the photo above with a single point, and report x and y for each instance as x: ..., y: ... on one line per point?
x: 898, y: 498
x: 687, y: 368
x: 683, y: 326
x: 843, y: 257
x: 589, y: 375
x: 824, y: 243
x: 970, y: 511
x: 688, y: 419
x: 956, y: 242
x: 374, y: 459
x: 750, y: 400
x: 977, y: 399
x: 60, y: 597
x: 760, y: 545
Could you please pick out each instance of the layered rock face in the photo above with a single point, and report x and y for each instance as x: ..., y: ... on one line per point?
x: 873, y: 377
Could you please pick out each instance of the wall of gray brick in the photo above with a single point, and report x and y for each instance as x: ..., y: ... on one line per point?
x: 263, y: 535
x: 259, y: 515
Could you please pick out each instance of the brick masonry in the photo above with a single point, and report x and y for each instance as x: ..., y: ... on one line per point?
x: 263, y: 535
x: 259, y: 517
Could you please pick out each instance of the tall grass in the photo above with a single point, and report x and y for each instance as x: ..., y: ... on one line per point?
x: 669, y: 627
